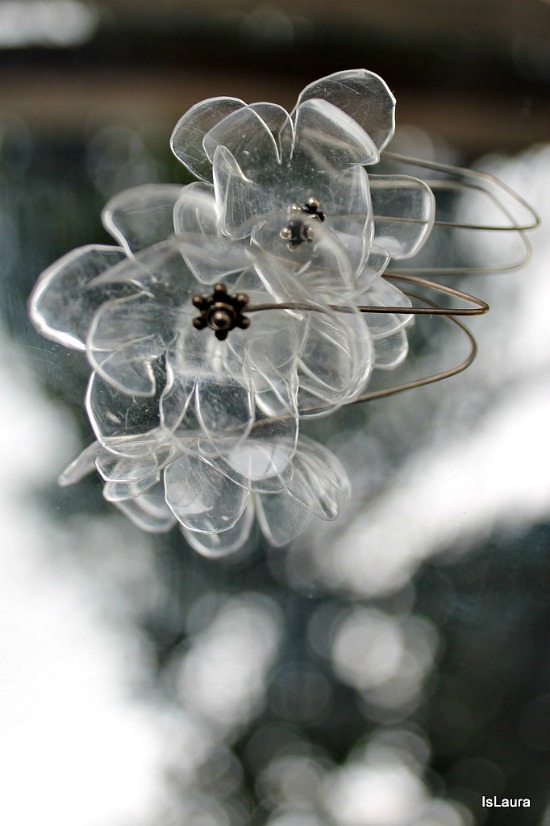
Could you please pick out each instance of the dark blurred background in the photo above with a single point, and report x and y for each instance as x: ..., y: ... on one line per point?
x: 475, y: 73
x: 389, y: 671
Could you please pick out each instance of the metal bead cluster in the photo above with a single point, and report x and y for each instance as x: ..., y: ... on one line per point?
x: 220, y: 311
x: 299, y: 227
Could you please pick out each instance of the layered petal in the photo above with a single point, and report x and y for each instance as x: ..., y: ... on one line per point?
x: 210, y: 256
x: 373, y: 267
x: 404, y: 212
x: 214, y: 390
x: 261, y: 461
x: 248, y: 139
x: 335, y: 362
x: 187, y: 138
x: 384, y: 294
x: 241, y: 202
x: 391, y: 350
x: 126, y: 338
x: 328, y: 139
x: 202, y: 499
x: 279, y: 123
x: 63, y: 303
x: 362, y: 95
x: 143, y: 216
x: 124, y: 425
x: 225, y: 542
x: 318, y: 481
x: 81, y: 466
x: 314, y: 269
x: 281, y: 516
x: 149, y: 510
x: 160, y: 271
x: 122, y: 491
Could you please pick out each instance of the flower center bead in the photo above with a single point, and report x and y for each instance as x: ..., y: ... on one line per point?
x: 220, y: 311
x: 299, y: 227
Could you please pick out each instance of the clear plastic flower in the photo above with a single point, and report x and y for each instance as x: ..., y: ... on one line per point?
x: 309, y: 165
x: 319, y: 274
x: 132, y: 309
x: 285, y: 482
x: 235, y: 306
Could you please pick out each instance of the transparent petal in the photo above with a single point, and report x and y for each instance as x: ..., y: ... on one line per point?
x: 241, y: 202
x: 187, y: 138
x: 291, y: 273
x: 276, y: 392
x: 176, y: 397
x: 195, y: 212
x: 335, y: 356
x: 386, y: 294
x: 266, y: 484
x: 267, y: 451
x: 330, y: 138
x: 62, y: 305
x: 248, y: 139
x: 221, y: 412
x: 211, y: 256
x: 142, y: 216
x: 363, y: 95
x: 273, y: 340
x: 130, y: 367
x: 225, y: 411
x: 121, y: 491
x: 81, y: 466
x: 349, y: 214
x: 225, y: 542
x: 382, y: 293
x: 281, y: 517
x: 126, y: 337
x: 391, y: 351
x: 375, y: 264
x: 319, y: 480
x: 404, y: 211
x: 160, y: 271
x: 123, y: 424
x: 335, y: 362
x: 149, y: 511
x: 177, y: 406
x: 269, y: 350
x: 113, y: 468
x: 202, y: 499
x: 279, y: 123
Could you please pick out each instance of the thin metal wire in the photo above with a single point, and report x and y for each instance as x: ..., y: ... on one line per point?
x: 373, y: 395
x: 434, y: 377
x: 474, y: 181
x: 480, y: 308
x: 476, y: 175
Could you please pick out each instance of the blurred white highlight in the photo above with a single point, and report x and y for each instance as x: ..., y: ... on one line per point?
x: 74, y: 749
x: 385, y: 658
x: 53, y: 23
x: 222, y: 679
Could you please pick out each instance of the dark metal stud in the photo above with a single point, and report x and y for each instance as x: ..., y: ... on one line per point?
x: 220, y: 311
x: 299, y: 229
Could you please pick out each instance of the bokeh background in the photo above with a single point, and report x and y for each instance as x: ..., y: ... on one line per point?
x: 388, y: 669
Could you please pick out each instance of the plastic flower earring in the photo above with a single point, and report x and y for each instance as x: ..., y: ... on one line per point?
x: 235, y: 307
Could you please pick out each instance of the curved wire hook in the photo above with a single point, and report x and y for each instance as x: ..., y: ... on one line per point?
x: 480, y: 306
x: 412, y: 384
x: 476, y: 175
